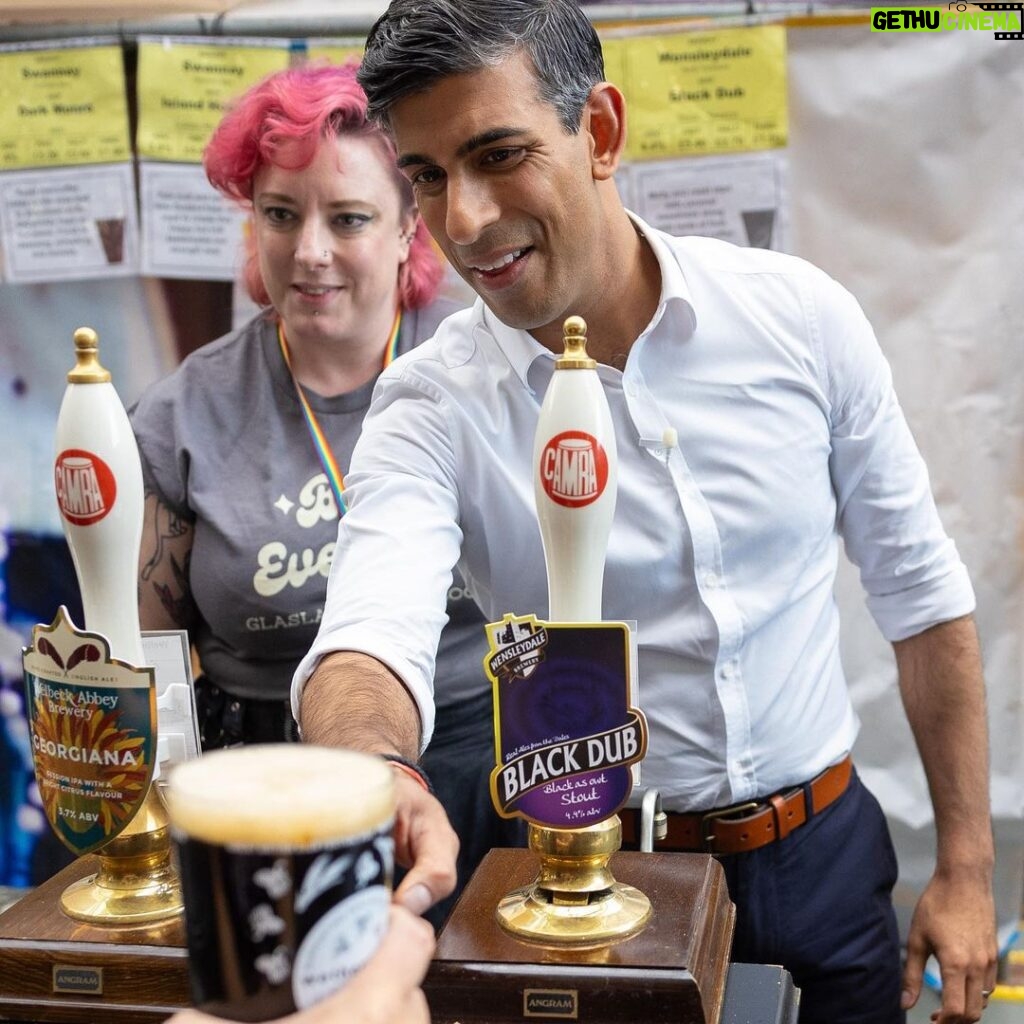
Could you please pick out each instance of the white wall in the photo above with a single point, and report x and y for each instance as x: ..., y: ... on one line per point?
x: 906, y: 160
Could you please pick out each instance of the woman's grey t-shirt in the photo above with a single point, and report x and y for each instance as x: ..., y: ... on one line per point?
x: 224, y: 443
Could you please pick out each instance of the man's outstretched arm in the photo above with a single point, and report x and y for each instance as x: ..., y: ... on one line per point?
x: 352, y: 700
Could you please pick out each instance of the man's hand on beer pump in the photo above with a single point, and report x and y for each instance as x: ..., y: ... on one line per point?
x: 425, y: 843
x: 353, y: 700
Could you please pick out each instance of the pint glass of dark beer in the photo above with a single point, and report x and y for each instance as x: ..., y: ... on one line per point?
x: 286, y: 859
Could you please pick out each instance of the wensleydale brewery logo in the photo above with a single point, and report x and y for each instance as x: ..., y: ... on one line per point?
x: 573, y: 468
x: 86, y: 488
x: 518, y: 646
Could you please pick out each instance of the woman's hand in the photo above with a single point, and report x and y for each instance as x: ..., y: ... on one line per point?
x: 386, y: 991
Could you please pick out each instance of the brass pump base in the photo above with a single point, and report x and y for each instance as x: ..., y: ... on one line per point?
x: 575, y: 901
x: 136, y: 883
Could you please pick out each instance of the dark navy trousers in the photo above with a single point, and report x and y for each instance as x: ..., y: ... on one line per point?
x: 819, y: 903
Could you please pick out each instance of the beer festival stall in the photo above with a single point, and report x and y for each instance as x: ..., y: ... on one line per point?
x: 547, y: 933
x: 118, y: 259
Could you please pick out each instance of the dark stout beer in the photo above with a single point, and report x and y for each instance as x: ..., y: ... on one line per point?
x: 286, y: 861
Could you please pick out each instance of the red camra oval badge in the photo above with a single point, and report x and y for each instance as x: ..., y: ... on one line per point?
x: 573, y: 469
x: 86, y: 488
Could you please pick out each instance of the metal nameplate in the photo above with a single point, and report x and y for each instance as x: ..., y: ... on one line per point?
x: 553, y: 1003
x: 78, y: 981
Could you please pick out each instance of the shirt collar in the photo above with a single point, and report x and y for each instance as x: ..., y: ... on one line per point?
x: 674, y: 289
x: 522, y: 349
x: 519, y: 347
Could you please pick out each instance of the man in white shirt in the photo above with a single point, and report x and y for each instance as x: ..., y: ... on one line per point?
x: 724, y: 544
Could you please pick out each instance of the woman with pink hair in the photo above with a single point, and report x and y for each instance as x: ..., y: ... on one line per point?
x: 245, y: 445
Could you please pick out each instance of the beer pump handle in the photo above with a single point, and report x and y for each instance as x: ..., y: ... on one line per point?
x: 575, y: 476
x: 98, y: 478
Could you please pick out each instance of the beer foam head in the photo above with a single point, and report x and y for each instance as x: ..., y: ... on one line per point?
x: 288, y: 795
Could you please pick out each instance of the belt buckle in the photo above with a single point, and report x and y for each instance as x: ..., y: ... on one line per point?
x: 708, y: 838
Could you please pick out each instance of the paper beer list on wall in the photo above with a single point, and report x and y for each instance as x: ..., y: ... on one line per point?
x: 67, y: 193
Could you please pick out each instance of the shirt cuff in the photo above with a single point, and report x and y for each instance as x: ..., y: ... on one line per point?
x: 415, y: 686
x: 906, y: 613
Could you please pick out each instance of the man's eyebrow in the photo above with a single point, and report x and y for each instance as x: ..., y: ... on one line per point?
x: 472, y: 143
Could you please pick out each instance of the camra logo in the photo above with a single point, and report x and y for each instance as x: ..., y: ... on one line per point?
x: 86, y: 488
x: 1004, y: 19
x: 573, y: 469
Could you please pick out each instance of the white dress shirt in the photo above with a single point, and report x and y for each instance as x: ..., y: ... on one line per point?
x: 723, y: 547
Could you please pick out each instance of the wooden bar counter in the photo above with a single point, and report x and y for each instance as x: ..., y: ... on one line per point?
x: 54, y: 970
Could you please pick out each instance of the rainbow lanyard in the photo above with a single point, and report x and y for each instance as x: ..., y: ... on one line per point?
x: 320, y: 443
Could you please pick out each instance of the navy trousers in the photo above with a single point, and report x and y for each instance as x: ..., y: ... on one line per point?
x: 819, y: 903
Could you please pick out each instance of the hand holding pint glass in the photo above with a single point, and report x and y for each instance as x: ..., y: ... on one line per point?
x: 386, y: 991
x: 286, y: 859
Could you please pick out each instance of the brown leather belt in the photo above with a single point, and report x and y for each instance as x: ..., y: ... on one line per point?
x: 748, y: 826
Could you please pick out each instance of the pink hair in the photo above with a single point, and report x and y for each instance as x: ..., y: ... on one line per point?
x: 283, y: 121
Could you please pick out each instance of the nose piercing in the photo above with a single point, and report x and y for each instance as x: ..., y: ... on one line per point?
x: 324, y: 254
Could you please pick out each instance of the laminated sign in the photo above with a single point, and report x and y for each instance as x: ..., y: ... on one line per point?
x: 93, y: 729
x: 565, y: 733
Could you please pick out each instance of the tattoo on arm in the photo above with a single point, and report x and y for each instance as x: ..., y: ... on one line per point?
x: 165, y: 591
x: 177, y: 601
x: 175, y: 527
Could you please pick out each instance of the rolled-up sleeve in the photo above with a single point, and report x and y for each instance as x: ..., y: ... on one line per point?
x: 909, y: 566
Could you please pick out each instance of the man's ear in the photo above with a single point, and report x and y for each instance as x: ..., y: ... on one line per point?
x: 604, y: 117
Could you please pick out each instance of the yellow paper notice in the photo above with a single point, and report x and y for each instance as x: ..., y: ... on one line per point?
x: 62, y: 107
x: 693, y: 93
x: 184, y: 89
x: 615, y: 61
x: 341, y: 53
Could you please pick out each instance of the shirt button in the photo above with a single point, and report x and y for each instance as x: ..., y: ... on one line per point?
x: 728, y: 670
x: 711, y: 580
